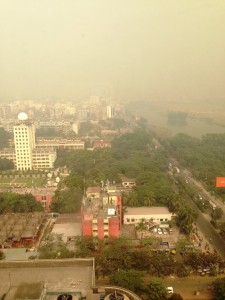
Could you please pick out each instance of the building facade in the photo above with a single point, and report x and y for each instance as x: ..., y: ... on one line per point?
x: 101, y: 214
x: 26, y: 155
x: 24, y: 140
x: 155, y: 214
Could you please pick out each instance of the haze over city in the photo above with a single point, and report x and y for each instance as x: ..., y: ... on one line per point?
x: 130, y: 49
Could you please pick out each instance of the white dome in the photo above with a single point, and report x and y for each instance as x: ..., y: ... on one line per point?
x: 22, y: 116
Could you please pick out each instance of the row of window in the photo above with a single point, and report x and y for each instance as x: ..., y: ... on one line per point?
x: 139, y: 220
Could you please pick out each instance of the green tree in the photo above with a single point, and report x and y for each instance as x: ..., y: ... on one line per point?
x: 155, y: 290
x: 6, y: 164
x: 219, y: 288
x: 217, y: 213
x: 17, y: 203
x: 141, y: 226
x: 66, y: 200
x: 85, y: 246
x: 185, y: 219
x: 54, y: 247
x: 222, y: 229
x: 2, y: 255
x: 4, y: 136
x: 129, y: 279
x: 176, y: 296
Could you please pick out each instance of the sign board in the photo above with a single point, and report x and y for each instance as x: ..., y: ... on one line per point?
x: 220, y: 181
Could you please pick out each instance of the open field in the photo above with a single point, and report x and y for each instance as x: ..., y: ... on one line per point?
x: 21, y: 182
x: 186, y: 287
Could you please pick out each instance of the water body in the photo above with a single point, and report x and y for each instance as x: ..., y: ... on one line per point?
x: 192, y: 127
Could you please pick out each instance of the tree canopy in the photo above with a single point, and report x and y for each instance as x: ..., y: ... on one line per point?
x: 6, y: 164
x: 205, y: 157
x: 18, y: 203
x: 133, y: 156
x: 4, y: 136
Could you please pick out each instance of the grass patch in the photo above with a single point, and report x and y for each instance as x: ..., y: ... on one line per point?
x: 29, y: 290
x: 25, y: 182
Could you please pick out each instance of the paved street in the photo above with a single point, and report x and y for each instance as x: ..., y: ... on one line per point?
x: 206, y: 230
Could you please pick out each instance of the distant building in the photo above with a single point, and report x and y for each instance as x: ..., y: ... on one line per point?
x: 110, y: 112
x: 24, y: 140
x: 59, y: 143
x: 128, y: 182
x: 25, y: 155
x: 100, y: 144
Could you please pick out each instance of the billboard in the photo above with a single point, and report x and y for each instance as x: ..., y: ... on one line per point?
x: 220, y: 181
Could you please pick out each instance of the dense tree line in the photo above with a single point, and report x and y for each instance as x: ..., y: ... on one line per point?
x: 204, y: 157
x: 6, y: 164
x: 127, y: 265
x: 132, y: 155
x: 18, y: 203
x: 4, y: 137
x: 67, y: 200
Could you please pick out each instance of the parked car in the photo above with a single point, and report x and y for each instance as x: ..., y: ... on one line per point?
x: 160, y: 231
x: 165, y: 231
x: 169, y: 290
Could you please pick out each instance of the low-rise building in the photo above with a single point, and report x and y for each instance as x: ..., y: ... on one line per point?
x: 128, y: 182
x: 58, y: 143
x: 100, y: 144
x: 41, y: 158
x: 155, y: 214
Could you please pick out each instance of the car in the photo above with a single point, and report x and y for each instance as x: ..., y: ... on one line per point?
x: 169, y: 290
x: 31, y: 249
x: 160, y: 231
x: 165, y: 231
x: 186, y: 181
x: 170, y: 230
x: 200, y: 197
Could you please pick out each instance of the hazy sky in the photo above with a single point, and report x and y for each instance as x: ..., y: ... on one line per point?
x: 143, y: 49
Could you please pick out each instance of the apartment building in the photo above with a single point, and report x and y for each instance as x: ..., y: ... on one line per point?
x: 101, y: 214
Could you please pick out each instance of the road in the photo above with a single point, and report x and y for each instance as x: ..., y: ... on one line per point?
x: 208, y: 232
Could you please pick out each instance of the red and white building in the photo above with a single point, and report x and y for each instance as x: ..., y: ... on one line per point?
x: 101, y: 214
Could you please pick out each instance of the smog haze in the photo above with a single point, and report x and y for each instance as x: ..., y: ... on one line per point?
x: 138, y: 49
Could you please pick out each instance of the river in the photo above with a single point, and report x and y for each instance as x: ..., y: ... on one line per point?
x: 192, y: 127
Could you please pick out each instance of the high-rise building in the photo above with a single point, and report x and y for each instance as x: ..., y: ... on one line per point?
x: 26, y: 155
x: 110, y: 112
x: 24, y: 140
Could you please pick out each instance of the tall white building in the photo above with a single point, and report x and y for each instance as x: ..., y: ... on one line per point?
x: 27, y: 155
x: 110, y: 112
x: 24, y: 140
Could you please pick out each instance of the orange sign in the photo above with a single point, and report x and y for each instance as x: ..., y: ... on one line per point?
x: 220, y: 181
